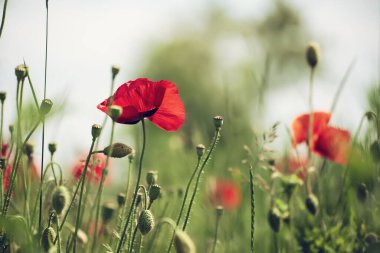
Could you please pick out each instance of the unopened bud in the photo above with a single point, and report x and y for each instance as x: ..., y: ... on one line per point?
x: 145, y: 222
x: 154, y: 192
x: 11, y: 129
x: 52, y: 147
x: 108, y: 209
x: 218, y: 122
x: 183, y: 243
x: 21, y: 72
x: 117, y: 150
x: 312, y: 54
x: 121, y: 199
x: 96, y: 130
x: 115, y: 111
x: 60, y: 199
x: 219, y: 211
x: 45, y: 107
x: 3, y: 96
x: 312, y: 204
x: 274, y: 219
x: 362, y: 192
x: 28, y: 149
x: 375, y: 150
x: 115, y: 70
x: 47, y: 239
x: 200, y: 150
x: 151, y: 177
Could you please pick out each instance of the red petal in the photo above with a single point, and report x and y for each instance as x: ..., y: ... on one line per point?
x: 171, y: 113
x: 334, y: 144
x: 225, y: 193
x: 300, y: 126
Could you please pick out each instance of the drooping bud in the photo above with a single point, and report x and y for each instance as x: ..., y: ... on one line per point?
x: 108, y: 209
x: 375, y: 150
x: 200, y: 150
x: 274, y: 219
x: 115, y: 111
x: 115, y: 70
x: 183, y: 242
x: 362, y: 192
x: 52, y: 147
x: 145, y: 222
x: 312, y: 204
x: 312, y: 54
x: 3, y: 96
x: 45, y: 107
x: 218, y: 122
x: 21, y: 72
x: 47, y: 239
x: 154, y: 192
x: 96, y: 130
x: 117, y: 150
x: 60, y: 199
x: 121, y: 199
x: 151, y: 177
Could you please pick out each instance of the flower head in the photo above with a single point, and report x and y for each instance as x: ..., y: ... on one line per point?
x: 94, y: 170
x: 224, y: 192
x: 158, y: 101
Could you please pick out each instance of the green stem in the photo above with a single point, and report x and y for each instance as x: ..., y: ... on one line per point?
x: 1, y: 126
x: 58, y: 235
x: 252, y: 193
x: 310, y: 127
x: 121, y: 241
x: 81, y: 193
x: 33, y: 91
x: 216, y: 137
x: 3, y: 18
x: 216, y: 234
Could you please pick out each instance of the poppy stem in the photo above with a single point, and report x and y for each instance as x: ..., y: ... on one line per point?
x: 310, y: 127
x: 216, y: 233
x: 3, y: 18
x: 122, y: 239
x: 252, y: 197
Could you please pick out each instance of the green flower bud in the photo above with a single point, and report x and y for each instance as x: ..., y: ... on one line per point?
x: 96, y: 130
x: 274, y: 219
x: 218, y: 122
x: 47, y: 239
x: 3, y: 96
x: 52, y: 147
x: 219, y: 210
x: 115, y: 70
x: 362, y: 192
x: 312, y: 54
x: 45, y: 107
x: 145, y: 222
x: 117, y: 150
x: 151, y: 177
x: 183, y: 242
x: 121, y: 199
x: 108, y: 210
x: 312, y: 204
x: 154, y: 192
x: 21, y: 72
x: 29, y: 149
x: 60, y: 199
x: 200, y: 150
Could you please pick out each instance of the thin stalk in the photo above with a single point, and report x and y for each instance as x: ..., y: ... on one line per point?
x: 1, y: 126
x: 252, y: 193
x: 121, y: 241
x: 100, y: 191
x: 58, y: 235
x: 33, y: 91
x: 310, y: 127
x: 215, y: 234
x: 81, y: 193
x: 3, y: 18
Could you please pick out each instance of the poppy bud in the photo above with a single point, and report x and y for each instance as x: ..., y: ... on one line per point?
x: 138, y: 199
x: 47, y: 239
x: 115, y: 111
x: 154, y: 192
x: 115, y: 70
x: 362, y: 192
x: 218, y: 122
x: 219, y: 211
x: 151, y: 177
x: 183, y: 242
x: 21, y: 72
x: 371, y: 238
x: 45, y: 107
x: 274, y: 219
x: 3, y: 96
x: 52, y: 147
x: 60, y: 199
x: 200, y: 150
x: 121, y: 199
x: 11, y: 129
x: 312, y: 204
x: 312, y: 54
x: 96, y: 130
x: 145, y: 222
x: 375, y: 150
x: 108, y: 210
x: 119, y: 150
x: 29, y: 149
x: 2, y: 164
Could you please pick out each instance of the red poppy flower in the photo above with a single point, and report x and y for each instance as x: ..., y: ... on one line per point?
x: 224, y: 192
x: 4, y: 150
x: 95, y: 167
x: 142, y: 98
x: 300, y: 126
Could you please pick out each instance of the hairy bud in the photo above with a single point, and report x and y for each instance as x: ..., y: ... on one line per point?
x: 60, y: 199
x: 117, y: 150
x: 145, y: 222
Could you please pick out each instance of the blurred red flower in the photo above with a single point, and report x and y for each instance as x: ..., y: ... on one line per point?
x: 4, y: 149
x: 224, y: 192
x: 94, y: 170
x: 329, y: 142
x: 34, y: 173
x: 158, y: 101
x: 293, y: 165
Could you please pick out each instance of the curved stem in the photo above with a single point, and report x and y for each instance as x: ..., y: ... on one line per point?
x: 121, y: 241
x: 3, y: 18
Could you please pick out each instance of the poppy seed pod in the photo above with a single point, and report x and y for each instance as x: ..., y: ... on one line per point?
x: 28, y: 149
x: 3, y: 96
x: 312, y: 204
x: 375, y: 150
x: 115, y: 111
x: 362, y: 192
x: 60, y: 199
x: 47, y: 239
x: 121, y: 199
x: 274, y: 219
x: 145, y: 222
x: 151, y: 177
x: 21, y: 72
x: 117, y: 150
x: 45, y: 107
x: 96, y: 130
x: 52, y: 147
x: 200, y: 150
x: 115, y: 70
x: 218, y: 122
x: 219, y: 211
x: 108, y: 209
x: 154, y: 192
x: 183, y: 242
x: 312, y: 54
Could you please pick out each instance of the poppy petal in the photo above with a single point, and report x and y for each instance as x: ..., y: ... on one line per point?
x: 334, y: 144
x: 300, y: 126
